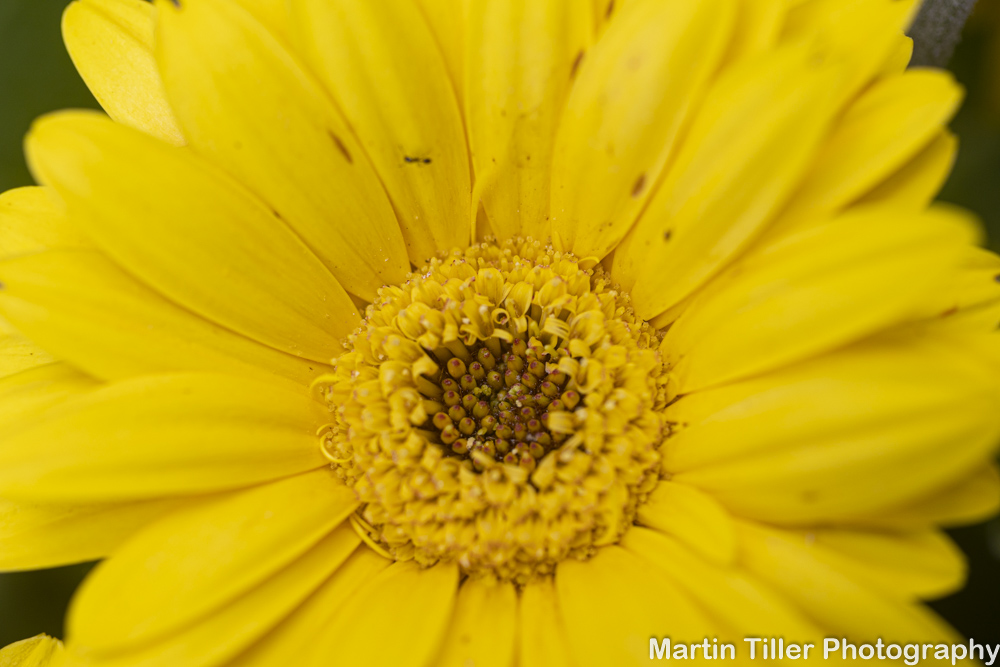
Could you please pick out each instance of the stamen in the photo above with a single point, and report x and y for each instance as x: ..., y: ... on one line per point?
x: 362, y: 532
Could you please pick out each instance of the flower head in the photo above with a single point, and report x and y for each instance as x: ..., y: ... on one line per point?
x: 513, y: 331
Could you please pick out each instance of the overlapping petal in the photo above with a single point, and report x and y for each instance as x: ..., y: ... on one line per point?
x: 245, y: 101
x: 422, y: 604
x: 872, y: 426
x: 219, y: 636
x: 632, y: 95
x: 813, y: 292
x: 251, y: 535
x: 215, y: 249
x: 111, y: 43
x: 645, y: 602
x: 86, y: 310
x: 482, y: 630
x: 523, y: 58
x: 298, y: 634
x: 38, y: 536
x: 162, y: 435
x: 380, y: 63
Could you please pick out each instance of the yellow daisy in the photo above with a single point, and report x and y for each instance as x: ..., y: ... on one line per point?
x: 433, y: 332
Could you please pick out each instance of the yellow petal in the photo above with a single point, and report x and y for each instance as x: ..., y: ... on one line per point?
x: 835, y: 376
x: 971, y: 499
x: 813, y: 292
x: 27, y: 394
x: 32, y: 219
x: 17, y: 353
x: 196, y: 560
x: 243, y: 100
x: 630, y: 98
x: 870, y: 427
x: 227, y: 632
x: 541, y: 636
x: 446, y: 19
x: 273, y: 14
x: 899, y: 58
x: 914, y: 185
x: 483, y: 229
x: 163, y: 435
x: 746, y: 149
x: 414, y: 603
x: 89, y: 312
x: 297, y: 635
x: 967, y: 299
x: 691, y: 517
x: 482, y: 628
x: 603, y: 11
x: 635, y: 602
x: 39, y: 536
x: 758, y: 26
x: 204, y: 242
x: 111, y: 44
x: 880, y: 131
x: 670, y: 315
x: 861, y: 35
x: 906, y: 565
x: 741, y: 604
x: 522, y: 57
x: 841, y: 605
x: 409, y: 123
x: 40, y: 651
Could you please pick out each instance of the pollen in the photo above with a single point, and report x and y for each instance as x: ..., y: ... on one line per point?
x: 501, y: 409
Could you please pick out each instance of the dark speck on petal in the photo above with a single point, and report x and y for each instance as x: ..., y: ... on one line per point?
x: 576, y: 65
x: 342, y: 148
x: 640, y: 185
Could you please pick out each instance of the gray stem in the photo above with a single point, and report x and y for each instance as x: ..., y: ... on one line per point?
x: 937, y: 31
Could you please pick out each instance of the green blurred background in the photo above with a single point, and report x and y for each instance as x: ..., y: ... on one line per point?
x: 36, y: 76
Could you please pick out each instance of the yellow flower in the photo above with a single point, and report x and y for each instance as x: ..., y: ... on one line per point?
x: 430, y: 332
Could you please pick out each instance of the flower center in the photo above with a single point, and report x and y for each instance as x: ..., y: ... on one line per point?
x: 500, y: 409
x: 497, y: 399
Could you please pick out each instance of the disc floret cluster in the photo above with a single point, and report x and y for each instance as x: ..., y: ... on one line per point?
x: 500, y: 409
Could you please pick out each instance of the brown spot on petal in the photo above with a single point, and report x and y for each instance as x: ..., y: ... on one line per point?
x: 342, y: 148
x: 576, y: 65
x: 667, y: 234
x: 640, y: 185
